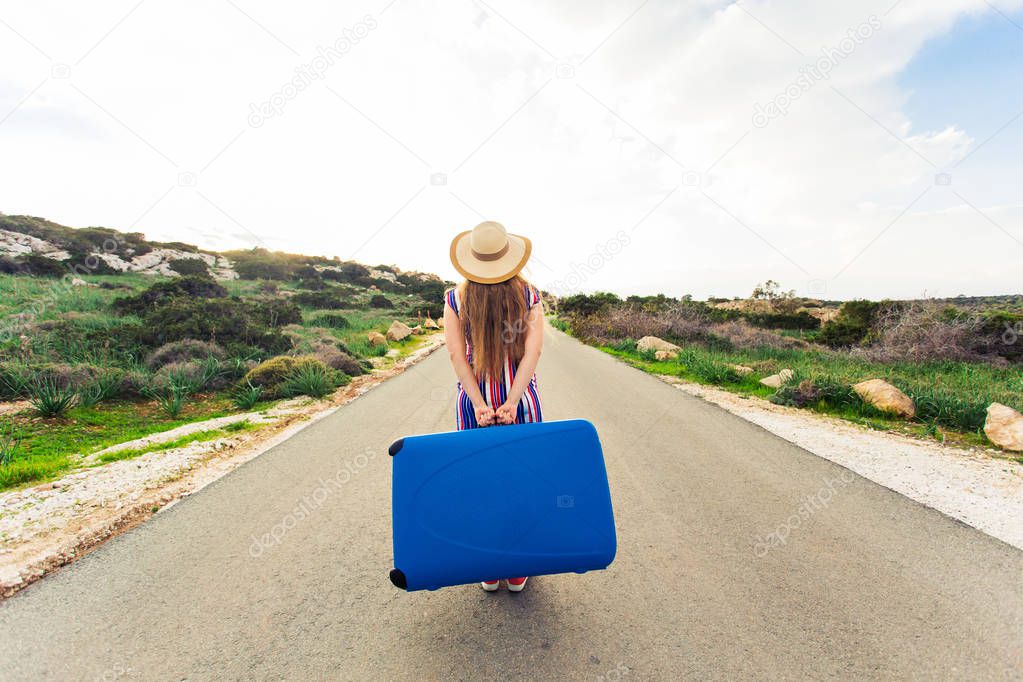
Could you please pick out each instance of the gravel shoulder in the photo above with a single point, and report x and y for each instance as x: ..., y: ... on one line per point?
x: 971, y: 485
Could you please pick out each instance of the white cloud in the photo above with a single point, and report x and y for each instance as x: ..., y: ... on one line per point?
x: 457, y: 89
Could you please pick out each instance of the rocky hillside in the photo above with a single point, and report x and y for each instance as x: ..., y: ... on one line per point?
x: 36, y: 246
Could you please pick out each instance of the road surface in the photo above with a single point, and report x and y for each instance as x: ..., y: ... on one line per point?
x: 867, y: 584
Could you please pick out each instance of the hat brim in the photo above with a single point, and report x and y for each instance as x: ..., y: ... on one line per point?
x: 490, y: 271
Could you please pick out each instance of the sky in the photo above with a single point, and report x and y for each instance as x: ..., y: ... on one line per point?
x: 845, y: 150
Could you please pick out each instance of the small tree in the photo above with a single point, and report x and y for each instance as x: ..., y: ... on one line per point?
x: 780, y: 301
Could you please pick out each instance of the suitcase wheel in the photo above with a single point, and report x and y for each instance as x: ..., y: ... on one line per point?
x: 398, y: 579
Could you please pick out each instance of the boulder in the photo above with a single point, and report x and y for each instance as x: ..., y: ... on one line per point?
x: 418, y: 330
x: 663, y: 355
x: 440, y: 322
x: 376, y: 339
x: 398, y: 331
x: 1004, y: 427
x: 742, y: 370
x: 885, y: 397
x: 428, y: 323
x: 777, y: 380
x: 655, y: 344
x: 78, y: 282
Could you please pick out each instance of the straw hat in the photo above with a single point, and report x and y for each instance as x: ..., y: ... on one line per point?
x: 488, y: 254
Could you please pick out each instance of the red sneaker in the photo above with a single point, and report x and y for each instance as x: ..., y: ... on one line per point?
x: 516, y: 584
x: 491, y: 585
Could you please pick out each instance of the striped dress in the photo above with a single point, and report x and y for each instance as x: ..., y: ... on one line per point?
x: 495, y: 391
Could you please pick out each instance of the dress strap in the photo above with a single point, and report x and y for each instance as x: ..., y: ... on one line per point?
x: 452, y: 299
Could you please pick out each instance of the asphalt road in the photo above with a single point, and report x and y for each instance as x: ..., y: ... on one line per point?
x: 856, y: 582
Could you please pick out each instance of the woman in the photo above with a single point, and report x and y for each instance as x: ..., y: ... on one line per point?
x: 493, y: 323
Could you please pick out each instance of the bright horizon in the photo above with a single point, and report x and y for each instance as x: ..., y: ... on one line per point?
x: 635, y: 144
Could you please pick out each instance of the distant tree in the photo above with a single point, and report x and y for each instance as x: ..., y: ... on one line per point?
x: 780, y: 301
x: 587, y: 304
x: 852, y: 325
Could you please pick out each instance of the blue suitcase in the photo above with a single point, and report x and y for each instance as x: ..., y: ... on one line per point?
x: 500, y: 502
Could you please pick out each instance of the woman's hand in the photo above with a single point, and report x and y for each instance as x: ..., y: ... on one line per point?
x: 484, y: 414
x: 507, y: 413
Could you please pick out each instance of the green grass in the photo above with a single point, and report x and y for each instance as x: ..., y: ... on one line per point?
x: 197, y: 437
x: 48, y: 447
x: 951, y: 397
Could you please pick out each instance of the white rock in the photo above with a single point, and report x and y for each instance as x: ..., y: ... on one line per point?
x: 1004, y: 427
x: 885, y: 397
x: 655, y: 344
x: 779, y: 379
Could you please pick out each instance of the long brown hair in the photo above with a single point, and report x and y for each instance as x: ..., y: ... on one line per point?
x: 493, y: 318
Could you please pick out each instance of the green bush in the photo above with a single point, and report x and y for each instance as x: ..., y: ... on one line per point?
x: 313, y: 380
x: 8, y: 447
x: 818, y: 391
x: 711, y: 371
x: 380, y: 301
x: 272, y: 375
x: 953, y: 409
x: 171, y: 399
x: 246, y: 396
x: 15, y: 380
x: 560, y: 325
x: 327, y: 299
x: 105, y: 386
x: 331, y: 321
x: 192, y: 287
x: 190, y: 266
x: 587, y: 304
x: 39, y: 266
x: 852, y: 326
x: 50, y: 398
x: 193, y: 376
x: 803, y: 321
x: 185, y: 350
x: 235, y: 324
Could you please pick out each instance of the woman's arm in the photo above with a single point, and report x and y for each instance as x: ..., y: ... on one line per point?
x: 455, y: 340
x: 527, y: 365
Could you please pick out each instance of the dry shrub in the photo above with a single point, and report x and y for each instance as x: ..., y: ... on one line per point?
x: 186, y: 350
x: 192, y: 373
x: 679, y: 323
x: 741, y: 334
x: 921, y: 331
x: 335, y: 358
